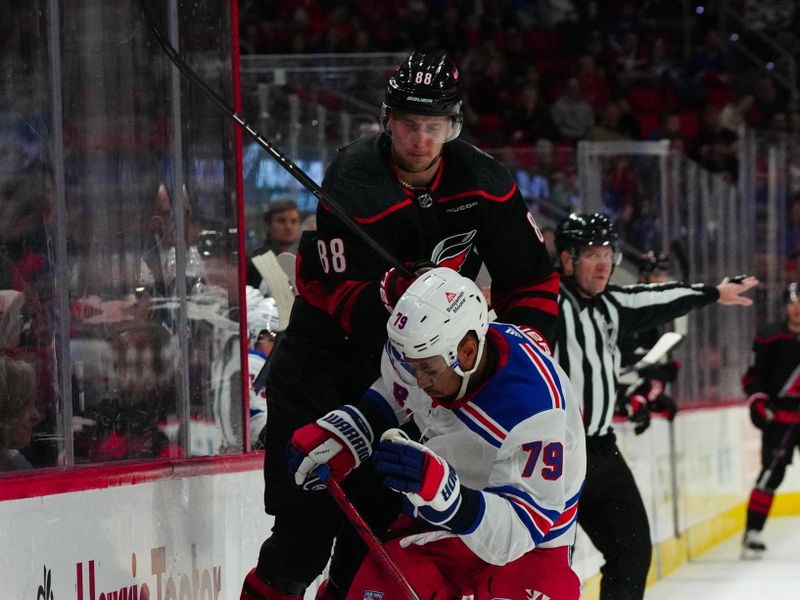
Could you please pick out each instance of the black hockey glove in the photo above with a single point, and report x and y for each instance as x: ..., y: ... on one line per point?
x: 638, y: 412
x: 665, y: 405
x: 761, y: 410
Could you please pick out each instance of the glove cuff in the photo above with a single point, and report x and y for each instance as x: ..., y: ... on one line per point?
x: 350, y: 427
x: 469, y: 513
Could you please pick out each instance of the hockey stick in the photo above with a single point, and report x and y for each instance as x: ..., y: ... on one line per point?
x: 278, y: 282
x: 370, y: 539
x: 664, y: 344
x: 783, y: 448
x: 283, y: 161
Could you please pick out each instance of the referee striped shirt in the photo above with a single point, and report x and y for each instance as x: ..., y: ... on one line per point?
x: 589, y: 331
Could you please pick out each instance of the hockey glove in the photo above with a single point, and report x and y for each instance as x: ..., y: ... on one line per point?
x: 428, y: 482
x: 664, y: 405
x: 638, y: 411
x: 394, y: 282
x: 341, y: 440
x: 761, y: 413
x: 657, y: 400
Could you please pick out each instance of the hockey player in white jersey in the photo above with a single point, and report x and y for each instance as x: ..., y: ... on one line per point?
x: 262, y: 328
x: 491, y: 492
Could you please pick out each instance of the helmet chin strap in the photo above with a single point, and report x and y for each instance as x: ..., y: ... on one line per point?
x: 465, y: 375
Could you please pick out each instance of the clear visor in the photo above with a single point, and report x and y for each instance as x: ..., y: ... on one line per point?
x: 421, y: 129
x: 420, y: 372
x: 601, y: 254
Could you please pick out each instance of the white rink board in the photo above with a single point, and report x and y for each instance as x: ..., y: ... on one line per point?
x: 718, y: 459
x: 143, y: 535
x: 173, y: 539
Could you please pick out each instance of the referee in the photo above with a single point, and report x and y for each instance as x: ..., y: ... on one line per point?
x: 594, y: 316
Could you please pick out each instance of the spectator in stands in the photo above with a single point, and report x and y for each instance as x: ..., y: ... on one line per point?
x: 735, y: 114
x: 564, y: 189
x: 716, y: 147
x: 534, y: 183
x: 767, y: 100
x: 670, y: 127
x: 572, y: 114
x: 18, y: 413
x: 609, y: 127
x: 528, y: 120
x: 661, y: 72
x: 631, y: 61
x: 709, y: 65
x: 282, y: 228
x: 594, y: 83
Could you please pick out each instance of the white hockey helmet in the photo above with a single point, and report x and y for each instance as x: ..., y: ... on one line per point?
x: 262, y: 315
x: 433, y: 316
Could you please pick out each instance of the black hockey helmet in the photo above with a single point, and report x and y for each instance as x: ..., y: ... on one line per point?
x: 425, y: 84
x: 580, y: 230
x: 791, y: 293
x: 649, y: 262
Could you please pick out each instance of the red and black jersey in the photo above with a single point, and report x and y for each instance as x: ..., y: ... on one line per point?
x: 775, y: 370
x: 471, y: 212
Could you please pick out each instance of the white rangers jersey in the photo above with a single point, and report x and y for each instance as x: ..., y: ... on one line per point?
x: 258, y: 400
x: 518, y: 439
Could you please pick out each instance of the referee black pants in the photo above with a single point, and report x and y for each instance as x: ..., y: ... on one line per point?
x: 612, y: 514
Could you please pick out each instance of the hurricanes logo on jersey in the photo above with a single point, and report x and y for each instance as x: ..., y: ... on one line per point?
x: 453, y: 251
x: 792, y: 387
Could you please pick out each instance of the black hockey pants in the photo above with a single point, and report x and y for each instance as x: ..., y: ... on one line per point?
x: 311, y: 372
x: 612, y: 514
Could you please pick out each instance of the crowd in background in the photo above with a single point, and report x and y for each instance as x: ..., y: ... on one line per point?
x: 541, y: 75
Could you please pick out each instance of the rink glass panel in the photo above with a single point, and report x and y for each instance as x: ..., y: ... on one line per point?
x: 710, y: 228
x: 119, y: 230
x: 308, y: 106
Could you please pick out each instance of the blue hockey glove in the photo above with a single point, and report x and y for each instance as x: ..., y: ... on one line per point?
x: 429, y: 483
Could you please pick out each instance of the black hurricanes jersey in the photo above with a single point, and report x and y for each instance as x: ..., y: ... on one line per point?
x: 471, y: 212
x: 775, y: 370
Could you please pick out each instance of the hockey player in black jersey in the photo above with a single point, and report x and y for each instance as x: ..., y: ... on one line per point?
x: 427, y: 198
x: 593, y: 317
x: 772, y: 384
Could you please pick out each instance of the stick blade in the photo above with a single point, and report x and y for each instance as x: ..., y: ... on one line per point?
x: 278, y: 282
